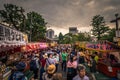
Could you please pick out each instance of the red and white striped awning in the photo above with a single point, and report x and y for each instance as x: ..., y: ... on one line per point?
x: 6, y: 47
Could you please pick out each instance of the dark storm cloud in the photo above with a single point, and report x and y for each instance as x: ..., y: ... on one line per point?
x: 67, y: 13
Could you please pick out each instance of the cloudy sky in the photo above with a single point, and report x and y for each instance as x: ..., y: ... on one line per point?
x: 62, y: 14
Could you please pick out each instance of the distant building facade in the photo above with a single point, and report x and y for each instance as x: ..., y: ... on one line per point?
x: 50, y: 34
x: 73, y: 30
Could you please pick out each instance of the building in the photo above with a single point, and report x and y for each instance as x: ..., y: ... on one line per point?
x: 50, y: 34
x: 11, y: 36
x: 73, y: 30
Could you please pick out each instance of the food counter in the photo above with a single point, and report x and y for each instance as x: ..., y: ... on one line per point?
x: 5, y: 72
x: 107, y: 69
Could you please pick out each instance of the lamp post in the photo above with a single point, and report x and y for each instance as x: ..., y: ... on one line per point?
x: 30, y: 26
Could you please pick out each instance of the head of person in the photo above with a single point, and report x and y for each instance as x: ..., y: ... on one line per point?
x: 45, y: 56
x: 74, y: 58
x: 81, y: 70
x: 20, y: 66
x: 50, y: 55
x: 55, y: 54
x: 36, y: 55
x: 57, y: 76
x: 92, y: 56
x: 96, y: 53
x: 51, y: 70
x: 71, y: 58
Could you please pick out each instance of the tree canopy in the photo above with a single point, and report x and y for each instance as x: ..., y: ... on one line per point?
x: 33, y: 23
x: 36, y: 26
x: 13, y: 15
x: 99, y: 26
x: 109, y: 36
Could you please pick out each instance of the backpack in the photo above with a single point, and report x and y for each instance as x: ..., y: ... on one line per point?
x: 33, y: 65
x: 17, y: 76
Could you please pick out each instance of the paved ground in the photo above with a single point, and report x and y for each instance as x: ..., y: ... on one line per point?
x: 63, y: 73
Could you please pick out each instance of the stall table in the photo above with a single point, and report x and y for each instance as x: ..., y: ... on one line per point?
x: 108, y: 70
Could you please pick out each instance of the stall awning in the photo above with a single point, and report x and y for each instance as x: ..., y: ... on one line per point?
x: 7, y: 47
x: 34, y: 46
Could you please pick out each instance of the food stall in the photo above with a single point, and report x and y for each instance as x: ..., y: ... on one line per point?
x: 104, y: 49
x: 108, y: 67
x: 104, y: 64
x: 9, y: 55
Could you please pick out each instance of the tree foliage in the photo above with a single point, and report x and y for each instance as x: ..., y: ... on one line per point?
x: 33, y: 23
x: 99, y: 26
x: 109, y: 36
x: 35, y: 26
x: 13, y: 15
x: 60, y: 37
x: 82, y: 37
x: 72, y: 38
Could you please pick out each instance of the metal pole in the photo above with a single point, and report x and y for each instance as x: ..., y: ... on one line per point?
x: 30, y: 26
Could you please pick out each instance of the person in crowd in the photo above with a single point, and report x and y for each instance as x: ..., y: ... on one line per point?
x: 18, y: 74
x: 92, y: 64
x: 81, y: 58
x: 64, y: 60
x: 48, y: 75
x: 50, y: 60
x: 56, y: 58
x: 71, y: 65
x: 113, y: 59
x: 57, y: 76
x: 96, y: 57
x: 81, y: 73
x: 34, y: 65
x: 43, y: 62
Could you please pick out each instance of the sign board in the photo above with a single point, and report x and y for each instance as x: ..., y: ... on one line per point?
x: 9, y: 35
x: 117, y: 33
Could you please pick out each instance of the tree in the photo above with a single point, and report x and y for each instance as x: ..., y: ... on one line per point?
x: 60, y: 37
x: 82, y: 37
x: 99, y: 26
x: 35, y: 26
x: 13, y: 15
x: 109, y: 36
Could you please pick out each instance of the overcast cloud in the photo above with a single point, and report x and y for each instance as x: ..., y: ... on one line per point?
x: 62, y: 14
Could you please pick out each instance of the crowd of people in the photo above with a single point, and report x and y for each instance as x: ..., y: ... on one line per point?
x: 46, y: 64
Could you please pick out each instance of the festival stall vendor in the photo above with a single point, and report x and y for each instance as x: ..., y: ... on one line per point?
x: 109, y: 61
x: 8, y: 59
x: 109, y: 55
x: 110, y: 65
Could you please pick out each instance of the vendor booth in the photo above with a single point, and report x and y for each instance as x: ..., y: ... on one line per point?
x: 9, y: 55
x: 108, y: 51
x: 11, y: 41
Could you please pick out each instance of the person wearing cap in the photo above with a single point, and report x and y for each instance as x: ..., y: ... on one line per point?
x: 81, y: 73
x: 48, y: 75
